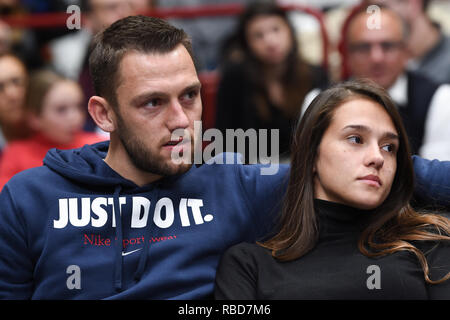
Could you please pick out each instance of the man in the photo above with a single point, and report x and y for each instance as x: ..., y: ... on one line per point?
x: 121, y: 219
x: 68, y: 52
x: 13, y: 80
x: 428, y: 45
x: 380, y: 54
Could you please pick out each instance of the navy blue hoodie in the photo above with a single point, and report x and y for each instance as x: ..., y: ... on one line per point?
x: 75, y: 229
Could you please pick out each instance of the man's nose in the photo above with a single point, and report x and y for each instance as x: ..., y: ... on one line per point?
x: 177, y: 117
x: 376, y: 53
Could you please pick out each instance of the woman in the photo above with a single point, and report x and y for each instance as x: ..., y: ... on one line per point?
x: 263, y: 78
x: 347, y: 230
x: 55, y: 114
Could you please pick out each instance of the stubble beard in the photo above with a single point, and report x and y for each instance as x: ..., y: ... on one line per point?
x: 143, y: 158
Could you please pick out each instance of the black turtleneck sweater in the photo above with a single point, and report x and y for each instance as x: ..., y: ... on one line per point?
x: 334, y: 269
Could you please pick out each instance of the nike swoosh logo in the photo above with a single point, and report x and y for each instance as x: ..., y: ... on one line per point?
x: 129, y: 252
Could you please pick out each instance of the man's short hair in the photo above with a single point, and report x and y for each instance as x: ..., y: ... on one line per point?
x: 362, y: 10
x: 134, y: 33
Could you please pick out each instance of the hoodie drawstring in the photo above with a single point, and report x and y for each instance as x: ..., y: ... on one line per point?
x: 144, y: 254
x: 118, y: 283
x: 142, y: 258
x: 119, y: 236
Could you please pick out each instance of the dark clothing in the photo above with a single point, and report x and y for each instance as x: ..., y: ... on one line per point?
x: 420, y: 93
x: 75, y: 229
x: 333, y: 269
x: 237, y: 108
x: 436, y: 63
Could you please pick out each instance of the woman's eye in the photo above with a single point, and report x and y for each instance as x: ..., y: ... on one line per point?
x: 389, y: 148
x: 258, y: 35
x: 61, y: 110
x: 355, y: 139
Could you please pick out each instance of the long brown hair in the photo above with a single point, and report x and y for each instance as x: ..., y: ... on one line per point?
x: 392, y: 225
x: 296, y: 78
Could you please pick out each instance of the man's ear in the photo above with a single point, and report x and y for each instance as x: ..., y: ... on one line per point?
x: 102, y: 113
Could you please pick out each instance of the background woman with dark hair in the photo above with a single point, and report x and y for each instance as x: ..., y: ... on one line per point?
x: 263, y: 77
x: 347, y: 230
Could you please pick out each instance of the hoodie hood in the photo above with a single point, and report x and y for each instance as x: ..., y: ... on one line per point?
x: 86, y: 165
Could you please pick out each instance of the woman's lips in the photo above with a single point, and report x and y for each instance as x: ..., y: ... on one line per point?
x: 371, y: 180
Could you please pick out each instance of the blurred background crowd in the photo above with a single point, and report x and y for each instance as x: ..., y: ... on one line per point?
x: 260, y: 64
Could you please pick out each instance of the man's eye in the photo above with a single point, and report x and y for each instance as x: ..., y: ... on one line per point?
x: 190, y: 95
x: 153, y: 103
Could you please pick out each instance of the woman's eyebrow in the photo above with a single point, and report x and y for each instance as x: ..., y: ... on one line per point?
x: 358, y: 127
x: 363, y: 128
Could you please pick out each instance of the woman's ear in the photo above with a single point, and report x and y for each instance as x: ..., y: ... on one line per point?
x: 102, y: 113
x: 316, y: 158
